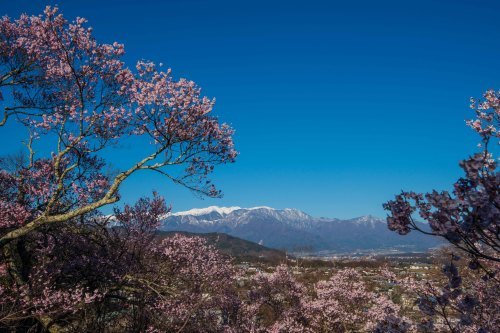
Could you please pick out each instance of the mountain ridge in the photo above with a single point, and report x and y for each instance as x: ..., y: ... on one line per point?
x: 294, y: 230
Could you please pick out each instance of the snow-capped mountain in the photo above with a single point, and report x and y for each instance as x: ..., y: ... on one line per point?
x: 204, y: 211
x: 233, y: 216
x: 295, y: 230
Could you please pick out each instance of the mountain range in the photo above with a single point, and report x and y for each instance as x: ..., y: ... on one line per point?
x: 296, y: 231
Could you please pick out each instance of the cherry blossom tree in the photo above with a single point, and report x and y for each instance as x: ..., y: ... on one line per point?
x: 343, y: 303
x: 76, y: 94
x: 469, y: 219
x: 91, y: 276
x: 455, y: 298
x: 278, y: 302
x: 62, y: 266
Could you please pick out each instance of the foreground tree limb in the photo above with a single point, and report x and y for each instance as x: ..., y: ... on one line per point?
x: 63, y: 84
x: 77, y: 98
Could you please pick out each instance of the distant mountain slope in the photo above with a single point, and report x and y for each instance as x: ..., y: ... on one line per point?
x: 237, y: 248
x: 294, y: 230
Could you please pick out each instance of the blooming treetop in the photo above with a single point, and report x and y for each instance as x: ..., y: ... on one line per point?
x: 76, y: 95
x: 469, y: 217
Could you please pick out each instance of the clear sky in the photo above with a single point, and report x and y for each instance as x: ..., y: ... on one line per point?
x: 337, y: 105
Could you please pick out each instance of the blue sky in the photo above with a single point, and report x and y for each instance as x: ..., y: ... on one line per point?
x: 337, y: 105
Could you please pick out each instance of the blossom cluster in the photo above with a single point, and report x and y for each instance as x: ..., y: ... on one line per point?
x: 77, y: 98
x: 469, y: 216
x: 469, y: 219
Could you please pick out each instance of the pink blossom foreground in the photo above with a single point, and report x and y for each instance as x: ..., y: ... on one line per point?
x: 64, y: 267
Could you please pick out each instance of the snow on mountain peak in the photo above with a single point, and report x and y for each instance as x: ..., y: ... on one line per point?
x: 293, y: 229
x: 367, y: 220
x: 259, y: 207
x: 285, y: 213
x: 207, y: 210
x: 217, y: 209
x: 370, y: 218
